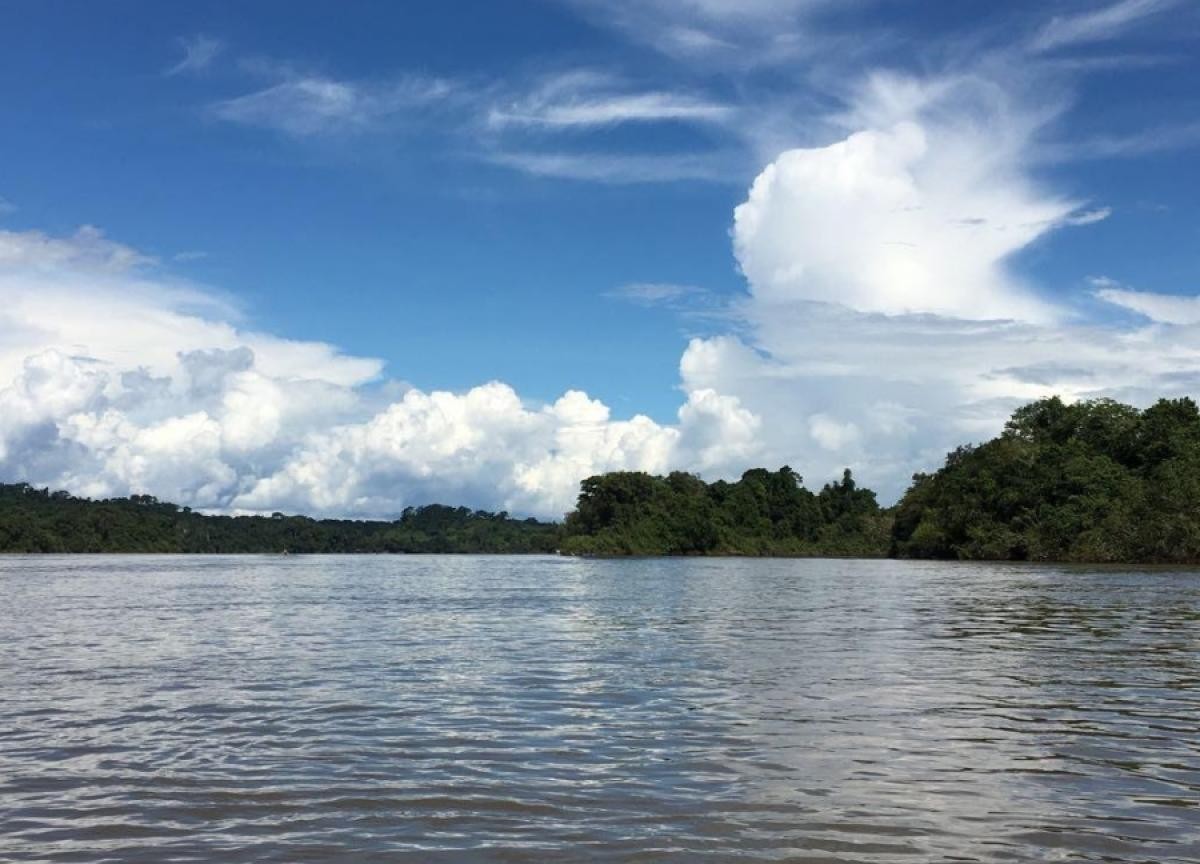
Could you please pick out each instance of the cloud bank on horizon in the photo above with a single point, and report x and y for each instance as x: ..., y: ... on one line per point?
x: 883, y: 323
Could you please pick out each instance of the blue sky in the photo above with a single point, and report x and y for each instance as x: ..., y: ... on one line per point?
x: 401, y: 242
x: 543, y: 194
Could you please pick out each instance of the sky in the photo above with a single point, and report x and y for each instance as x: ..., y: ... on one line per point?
x: 344, y: 258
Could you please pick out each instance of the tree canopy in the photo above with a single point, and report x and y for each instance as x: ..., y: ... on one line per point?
x: 763, y: 513
x: 37, y: 520
x: 1091, y: 481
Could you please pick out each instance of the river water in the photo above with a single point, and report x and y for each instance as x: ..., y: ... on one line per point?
x: 358, y: 709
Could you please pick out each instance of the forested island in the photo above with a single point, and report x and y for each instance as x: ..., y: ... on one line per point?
x: 1093, y: 481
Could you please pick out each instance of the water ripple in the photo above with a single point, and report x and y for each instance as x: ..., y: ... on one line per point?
x: 329, y: 709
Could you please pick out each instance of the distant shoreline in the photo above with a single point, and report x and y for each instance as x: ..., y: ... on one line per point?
x: 1092, y: 482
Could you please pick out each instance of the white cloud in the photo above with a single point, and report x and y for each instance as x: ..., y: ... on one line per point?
x: 105, y: 363
x: 747, y: 31
x: 583, y: 98
x: 1162, y: 308
x: 482, y: 445
x: 486, y: 444
x: 652, y: 293
x: 305, y: 105
x: 891, y: 395
x: 199, y: 52
x: 885, y: 323
x: 832, y: 435
x: 55, y: 290
x: 919, y: 214
x: 570, y: 105
x: 1096, y: 25
x: 116, y: 380
x: 619, y: 168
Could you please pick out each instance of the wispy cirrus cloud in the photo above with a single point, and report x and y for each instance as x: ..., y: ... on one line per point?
x: 304, y: 105
x: 655, y: 293
x: 1178, y: 309
x: 199, y: 52
x: 747, y: 32
x: 1160, y: 139
x: 517, y: 125
x: 559, y: 125
x: 585, y: 98
x: 620, y: 168
x: 502, y: 125
x: 1096, y: 25
x: 689, y: 302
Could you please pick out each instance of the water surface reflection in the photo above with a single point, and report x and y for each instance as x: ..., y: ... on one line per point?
x: 529, y: 709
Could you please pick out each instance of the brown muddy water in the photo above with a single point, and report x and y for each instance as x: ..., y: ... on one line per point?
x: 445, y: 709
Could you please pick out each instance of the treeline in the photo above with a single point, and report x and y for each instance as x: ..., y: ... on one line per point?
x: 763, y: 513
x: 1094, y: 481
x: 37, y: 520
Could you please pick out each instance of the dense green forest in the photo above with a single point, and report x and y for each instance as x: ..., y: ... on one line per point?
x: 36, y: 520
x: 763, y: 513
x: 1092, y: 481
x: 621, y: 513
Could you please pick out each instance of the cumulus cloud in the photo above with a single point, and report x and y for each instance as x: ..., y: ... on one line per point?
x: 882, y: 326
x: 918, y: 214
x: 118, y: 380
x: 885, y: 322
x: 891, y: 395
x: 488, y: 445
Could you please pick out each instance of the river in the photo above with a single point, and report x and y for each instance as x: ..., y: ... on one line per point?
x: 508, y: 709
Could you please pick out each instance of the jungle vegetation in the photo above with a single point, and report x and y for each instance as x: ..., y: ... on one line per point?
x: 763, y: 513
x: 1094, y: 481
x: 37, y: 520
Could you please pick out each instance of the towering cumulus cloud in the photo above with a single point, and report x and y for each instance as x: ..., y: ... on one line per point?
x: 907, y: 218
x: 886, y: 322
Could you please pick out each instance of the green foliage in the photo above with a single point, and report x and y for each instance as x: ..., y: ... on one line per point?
x: 1093, y: 481
x: 37, y: 520
x: 764, y: 513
